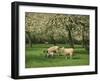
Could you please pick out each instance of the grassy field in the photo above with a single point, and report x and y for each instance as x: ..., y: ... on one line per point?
x: 35, y: 57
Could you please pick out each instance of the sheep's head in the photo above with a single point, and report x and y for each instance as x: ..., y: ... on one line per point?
x: 61, y: 49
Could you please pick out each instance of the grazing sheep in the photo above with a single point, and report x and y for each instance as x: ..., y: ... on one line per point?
x: 67, y: 51
x: 53, y: 51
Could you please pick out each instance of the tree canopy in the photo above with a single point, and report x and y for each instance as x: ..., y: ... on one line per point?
x: 57, y: 28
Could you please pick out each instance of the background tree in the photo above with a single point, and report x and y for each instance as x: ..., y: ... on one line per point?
x: 57, y: 28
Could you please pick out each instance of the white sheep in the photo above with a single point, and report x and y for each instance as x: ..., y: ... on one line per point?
x: 53, y: 51
x: 67, y: 51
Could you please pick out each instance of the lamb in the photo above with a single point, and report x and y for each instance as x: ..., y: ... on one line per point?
x: 67, y: 51
x: 53, y: 51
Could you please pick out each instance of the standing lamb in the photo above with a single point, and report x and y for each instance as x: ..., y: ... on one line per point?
x: 67, y: 51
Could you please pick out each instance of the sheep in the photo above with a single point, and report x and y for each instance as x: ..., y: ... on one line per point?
x: 52, y: 51
x: 67, y: 51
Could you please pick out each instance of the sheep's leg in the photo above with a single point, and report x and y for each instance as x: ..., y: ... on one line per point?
x: 58, y: 54
x: 51, y: 54
x: 47, y: 55
x: 70, y: 55
x: 66, y: 56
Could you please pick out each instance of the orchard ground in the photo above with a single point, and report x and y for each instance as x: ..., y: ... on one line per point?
x: 35, y: 57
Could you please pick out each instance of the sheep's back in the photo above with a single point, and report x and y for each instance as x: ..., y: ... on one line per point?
x: 51, y: 49
x: 68, y: 50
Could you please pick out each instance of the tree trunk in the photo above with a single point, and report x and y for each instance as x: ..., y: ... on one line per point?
x: 83, y: 36
x: 83, y: 44
x: 53, y: 40
x: 29, y: 39
x: 30, y: 43
x: 70, y: 37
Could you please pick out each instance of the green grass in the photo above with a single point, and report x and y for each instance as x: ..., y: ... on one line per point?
x: 35, y: 57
